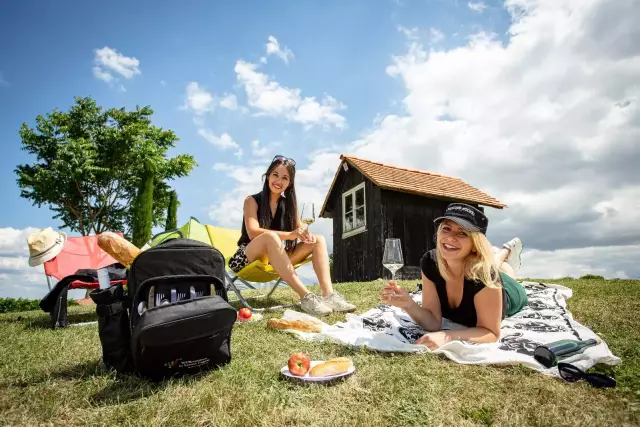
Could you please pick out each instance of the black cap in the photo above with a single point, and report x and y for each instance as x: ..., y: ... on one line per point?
x: 466, y: 216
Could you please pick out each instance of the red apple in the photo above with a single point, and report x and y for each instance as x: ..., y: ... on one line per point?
x: 244, y: 314
x: 299, y: 364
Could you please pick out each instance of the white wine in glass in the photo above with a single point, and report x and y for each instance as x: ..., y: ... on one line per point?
x: 392, y: 259
x: 309, y: 218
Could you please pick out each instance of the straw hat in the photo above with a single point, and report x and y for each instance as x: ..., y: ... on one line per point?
x: 44, y: 245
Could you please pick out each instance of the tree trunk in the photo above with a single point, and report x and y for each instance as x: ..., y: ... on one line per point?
x: 172, y: 212
x: 143, y: 208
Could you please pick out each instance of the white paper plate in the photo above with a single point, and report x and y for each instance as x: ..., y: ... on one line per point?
x: 288, y: 375
x: 254, y: 318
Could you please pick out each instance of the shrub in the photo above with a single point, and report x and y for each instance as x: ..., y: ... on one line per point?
x: 591, y: 277
x: 12, y: 305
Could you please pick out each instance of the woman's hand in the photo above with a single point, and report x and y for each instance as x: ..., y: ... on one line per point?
x: 433, y: 340
x: 303, y: 234
x: 396, y: 296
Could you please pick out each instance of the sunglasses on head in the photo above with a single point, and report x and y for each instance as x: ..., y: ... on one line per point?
x: 572, y: 374
x: 284, y: 159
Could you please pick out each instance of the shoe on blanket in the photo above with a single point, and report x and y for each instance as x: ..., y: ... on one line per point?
x: 515, y: 247
x: 312, y: 304
x: 338, y: 303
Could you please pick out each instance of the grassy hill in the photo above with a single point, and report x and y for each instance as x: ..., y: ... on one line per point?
x: 56, y: 377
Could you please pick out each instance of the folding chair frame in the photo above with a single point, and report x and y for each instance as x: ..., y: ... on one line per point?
x: 232, y: 278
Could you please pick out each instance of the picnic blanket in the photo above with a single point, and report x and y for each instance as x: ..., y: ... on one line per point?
x: 545, y: 319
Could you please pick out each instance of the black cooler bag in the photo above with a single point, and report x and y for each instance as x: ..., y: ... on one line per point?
x: 181, y: 321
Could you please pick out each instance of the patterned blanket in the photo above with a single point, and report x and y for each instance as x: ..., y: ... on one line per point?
x: 545, y: 319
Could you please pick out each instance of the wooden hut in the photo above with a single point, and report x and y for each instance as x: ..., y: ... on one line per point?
x: 370, y: 202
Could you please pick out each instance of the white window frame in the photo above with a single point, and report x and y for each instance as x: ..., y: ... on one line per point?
x: 352, y: 193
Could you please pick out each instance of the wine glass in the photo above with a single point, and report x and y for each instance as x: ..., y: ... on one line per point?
x: 310, y: 217
x: 392, y: 259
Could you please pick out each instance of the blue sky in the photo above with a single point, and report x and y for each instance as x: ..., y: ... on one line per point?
x: 339, y: 48
x: 478, y: 90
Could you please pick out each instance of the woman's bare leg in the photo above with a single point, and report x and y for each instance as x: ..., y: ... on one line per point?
x: 502, y: 256
x: 508, y: 270
x: 320, y: 261
x: 269, y: 246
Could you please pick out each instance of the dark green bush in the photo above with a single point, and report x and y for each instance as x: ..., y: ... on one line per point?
x: 591, y: 277
x: 12, y: 305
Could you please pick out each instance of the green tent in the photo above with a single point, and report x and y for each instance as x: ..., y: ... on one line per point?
x: 193, y: 229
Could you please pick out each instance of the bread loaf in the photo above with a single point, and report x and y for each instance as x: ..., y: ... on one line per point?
x: 298, y: 325
x: 331, y: 367
x: 118, y: 247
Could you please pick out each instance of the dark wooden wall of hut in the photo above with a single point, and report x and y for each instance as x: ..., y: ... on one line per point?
x: 410, y: 218
x: 358, y: 257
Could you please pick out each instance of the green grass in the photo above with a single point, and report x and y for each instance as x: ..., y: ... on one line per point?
x: 56, y: 377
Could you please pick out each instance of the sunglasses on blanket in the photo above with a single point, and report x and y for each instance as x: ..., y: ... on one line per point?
x: 284, y: 159
x: 572, y: 374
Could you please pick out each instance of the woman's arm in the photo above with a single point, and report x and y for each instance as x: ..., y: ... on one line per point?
x: 488, y: 304
x: 429, y: 316
x: 250, y: 209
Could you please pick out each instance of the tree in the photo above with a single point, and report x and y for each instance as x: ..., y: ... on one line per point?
x: 172, y: 211
x: 90, y: 162
x: 143, y: 208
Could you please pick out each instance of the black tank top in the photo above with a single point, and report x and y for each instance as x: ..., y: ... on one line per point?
x: 465, y: 314
x: 277, y: 220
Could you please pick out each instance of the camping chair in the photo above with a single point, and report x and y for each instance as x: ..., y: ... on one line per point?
x: 225, y: 240
x: 78, y: 253
x: 70, y: 268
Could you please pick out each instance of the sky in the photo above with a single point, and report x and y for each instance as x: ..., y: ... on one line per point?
x: 535, y: 102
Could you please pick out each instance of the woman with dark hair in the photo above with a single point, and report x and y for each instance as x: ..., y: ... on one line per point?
x: 271, y: 229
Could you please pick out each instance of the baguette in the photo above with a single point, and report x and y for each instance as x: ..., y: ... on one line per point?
x: 298, y: 325
x: 331, y: 367
x: 118, y: 247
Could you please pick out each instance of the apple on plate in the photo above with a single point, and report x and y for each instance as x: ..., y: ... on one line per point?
x: 244, y: 314
x: 299, y: 364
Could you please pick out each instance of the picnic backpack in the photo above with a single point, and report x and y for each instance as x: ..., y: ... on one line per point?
x: 178, y: 317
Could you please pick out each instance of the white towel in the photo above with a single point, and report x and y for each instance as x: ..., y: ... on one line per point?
x: 545, y: 319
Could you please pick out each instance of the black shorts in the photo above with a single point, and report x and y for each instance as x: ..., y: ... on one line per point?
x: 239, y: 260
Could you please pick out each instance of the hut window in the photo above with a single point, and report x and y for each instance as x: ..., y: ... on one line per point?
x: 354, y: 217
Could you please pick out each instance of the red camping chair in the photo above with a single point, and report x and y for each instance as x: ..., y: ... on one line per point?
x: 78, y: 253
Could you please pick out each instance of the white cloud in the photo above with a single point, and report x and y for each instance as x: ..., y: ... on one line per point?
x: 229, y: 101
x: 436, y: 35
x: 409, y: 33
x: 17, y: 279
x: 270, y: 98
x: 197, y: 99
x: 610, y: 262
x: 547, y: 122
x: 14, y: 241
x: 258, y: 150
x: 273, y: 48
x: 477, y: 6
x: 108, y: 64
x: 223, y: 141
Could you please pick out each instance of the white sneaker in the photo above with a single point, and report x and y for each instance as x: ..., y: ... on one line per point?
x: 515, y: 247
x: 338, y: 303
x: 312, y: 304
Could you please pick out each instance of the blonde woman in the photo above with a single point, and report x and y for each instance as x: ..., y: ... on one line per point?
x: 463, y: 281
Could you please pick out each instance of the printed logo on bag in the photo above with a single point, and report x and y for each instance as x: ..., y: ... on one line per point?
x: 179, y: 363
